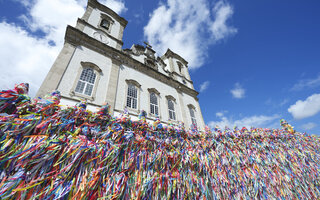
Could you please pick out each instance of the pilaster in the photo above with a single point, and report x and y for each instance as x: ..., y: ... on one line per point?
x: 120, y: 33
x: 182, y: 108
x: 171, y: 64
x: 200, y: 115
x: 113, y: 85
x: 54, y: 76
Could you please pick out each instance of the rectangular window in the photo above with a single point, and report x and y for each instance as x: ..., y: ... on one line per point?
x: 132, y: 96
x: 86, y: 82
x: 105, y: 24
x: 154, y: 104
x: 172, y: 114
x: 193, y: 118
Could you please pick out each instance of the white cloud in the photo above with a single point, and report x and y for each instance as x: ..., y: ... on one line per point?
x: 26, y: 57
x: 238, y: 91
x: 117, y: 6
x: 309, y: 126
x: 52, y: 17
x: 307, y: 108
x: 219, y: 28
x: 307, y: 83
x: 188, y: 28
x: 204, y: 86
x: 261, y: 121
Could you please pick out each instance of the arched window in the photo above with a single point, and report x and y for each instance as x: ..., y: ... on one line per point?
x: 172, y: 114
x: 86, y: 82
x: 192, y: 115
x: 132, y: 96
x: 154, y: 107
x: 154, y: 99
x: 105, y: 24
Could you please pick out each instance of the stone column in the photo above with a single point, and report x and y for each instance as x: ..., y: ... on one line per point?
x: 187, y: 74
x: 113, y: 84
x: 54, y: 76
x: 182, y: 108
x: 200, y: 115
x: 119, y: 46
x: 171, y: 65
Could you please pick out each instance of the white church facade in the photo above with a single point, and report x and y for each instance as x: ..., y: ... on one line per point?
x: 92, y: 65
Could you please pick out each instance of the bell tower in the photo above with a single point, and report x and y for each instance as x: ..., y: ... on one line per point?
x: 103, y: 24
x: 178, y: 67
x: 87, y: 66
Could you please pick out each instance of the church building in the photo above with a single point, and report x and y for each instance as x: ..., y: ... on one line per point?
x: 92, y: 65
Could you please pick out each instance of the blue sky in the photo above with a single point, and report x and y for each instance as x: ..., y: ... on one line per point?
x: 254, y: 62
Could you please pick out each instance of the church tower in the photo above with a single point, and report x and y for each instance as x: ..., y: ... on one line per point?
x: 92, y: 65
x: 89, y: 53
x: 103, y: 24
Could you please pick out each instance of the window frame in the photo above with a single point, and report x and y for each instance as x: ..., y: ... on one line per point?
x: 85, y: 87
x: 171, y: 98
x: 194, y: 118
x: 102, y: 24
x: 96, y: 70
x: 132, y: 96
x: 157, y: 94
x: 138, y: 87
x: 107, y: 18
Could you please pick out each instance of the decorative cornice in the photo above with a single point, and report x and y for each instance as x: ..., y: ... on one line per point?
x: 151, y: 63
x: 134, y: 82
x: 76, y: 37
x: 170, y: 97
x: 191, y: 106
x: 104, y: 16
x: 96, y: 4
x: 90, y: 64
x: 154, y: 90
